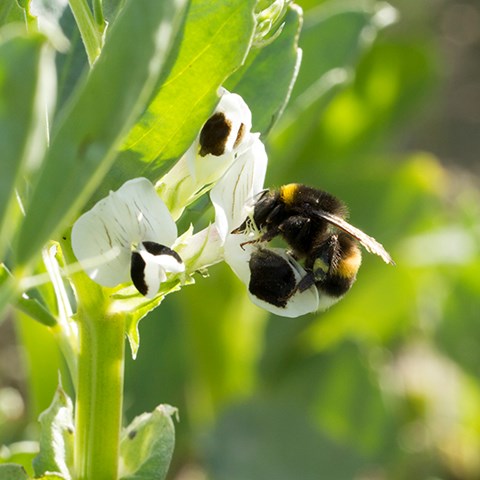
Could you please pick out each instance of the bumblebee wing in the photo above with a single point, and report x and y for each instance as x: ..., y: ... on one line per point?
x: 370, y: 244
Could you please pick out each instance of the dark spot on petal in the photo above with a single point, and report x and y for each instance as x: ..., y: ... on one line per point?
x: 137, y: 273
x: 214, y: 135
x: 157, y: 249
x: 240, y: 135
x: 132, y: 434
x: 69, y: 430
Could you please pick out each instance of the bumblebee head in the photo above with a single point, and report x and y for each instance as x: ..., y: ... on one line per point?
x: 267, y: 208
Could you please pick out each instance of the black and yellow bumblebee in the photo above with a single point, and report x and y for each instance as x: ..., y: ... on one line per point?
x: 312, y: 223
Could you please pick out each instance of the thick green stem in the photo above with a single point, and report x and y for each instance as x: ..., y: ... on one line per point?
x: 89, y: 31
x: 99, y: 396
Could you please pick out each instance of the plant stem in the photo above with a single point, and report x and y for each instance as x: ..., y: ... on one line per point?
x: 99, y: 385
x: 89, y: 31
x: 99, y: 396
x: 98, y: 14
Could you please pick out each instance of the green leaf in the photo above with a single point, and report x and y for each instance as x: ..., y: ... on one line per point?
x: 348, y: 26
x: 11, y: 11
x: 10, y: 471
x: 147, y: 445
x: 214, y: 43
x: 8, y: 289
x: 56, y: 440
x: 20, y: 453
x: 26, y: 71
x: 34, y: 309
x: 95, y: 121
x: 267, y: 78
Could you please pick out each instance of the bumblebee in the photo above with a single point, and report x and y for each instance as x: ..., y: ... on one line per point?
x: 312, y: 223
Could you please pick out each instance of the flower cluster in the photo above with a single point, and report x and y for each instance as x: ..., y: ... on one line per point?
x: 131, y: 235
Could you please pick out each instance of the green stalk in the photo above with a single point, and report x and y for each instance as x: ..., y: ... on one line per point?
x: 98, y: 14
x: 99, y: 385
x: 89, y: 31
x: 99, y: 396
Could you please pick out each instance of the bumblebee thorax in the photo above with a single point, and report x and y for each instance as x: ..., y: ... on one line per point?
x: 288, y: 193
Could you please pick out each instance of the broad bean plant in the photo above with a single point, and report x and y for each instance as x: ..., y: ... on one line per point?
x: 116, y: 118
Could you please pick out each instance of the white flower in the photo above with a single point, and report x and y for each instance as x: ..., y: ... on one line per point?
x: 233, y: 198
x: 222, y: 138
x: 128, y: 235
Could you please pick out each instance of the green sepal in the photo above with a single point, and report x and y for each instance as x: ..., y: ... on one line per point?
x: 146, y: 446
x: 56, y: 438
x: 134, y: 307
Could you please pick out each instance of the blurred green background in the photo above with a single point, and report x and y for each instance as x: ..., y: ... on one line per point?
x: 386, y: 384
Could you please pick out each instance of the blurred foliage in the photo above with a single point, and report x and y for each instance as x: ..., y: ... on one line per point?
x: 386, y: 384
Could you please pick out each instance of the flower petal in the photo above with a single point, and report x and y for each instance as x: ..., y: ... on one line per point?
x: 233, y: 195
x: 150, y: 264
x: 223, y: 137
x: 103, y: 236
x: 225, y: 130
x: 104, y: 256
x: 200, y: 250
x: 143, y: 213
x: 238, y: 258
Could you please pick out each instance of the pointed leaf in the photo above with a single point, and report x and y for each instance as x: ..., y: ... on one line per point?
x: 104, y: 107
x: 147, y: 445
x: 56, y: 440
x: 350, y: 27
x: 214, y: 43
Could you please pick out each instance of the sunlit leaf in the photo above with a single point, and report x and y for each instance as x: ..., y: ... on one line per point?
x: 56, y: 439
x: 27, y: 72
x: 214, y: 43
x: 279, y: 60
x: 104, y: 107
x: 146, y: 446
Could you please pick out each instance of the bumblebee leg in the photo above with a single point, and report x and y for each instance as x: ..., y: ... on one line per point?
x: 306, y: 282
x: 297, y: 232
